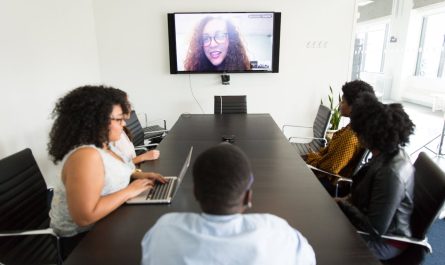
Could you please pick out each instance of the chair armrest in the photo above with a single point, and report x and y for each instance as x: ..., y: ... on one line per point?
x: 140, y: 148
x: 47, y: 231
x: 158, y: 131
x: 155, y: 122
x: 144, y: 147
x: 338, y: 177
x: 337, y: 180
x: 323, y: 171
x: 147, y: 122
x: 304, y: 137
x: 420, y: 242
x: 38, y: 232
x: 295, y: 126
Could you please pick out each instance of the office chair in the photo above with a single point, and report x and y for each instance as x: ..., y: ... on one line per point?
x: 429, y: 197
x: 138, y: 135
x: 319, y: 129
x: 338, y: 185
x: 155, y: 133
x: 230, y: 105
x: 25, y: 236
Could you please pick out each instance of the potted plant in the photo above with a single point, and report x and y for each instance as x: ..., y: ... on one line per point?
x: 336, y: 115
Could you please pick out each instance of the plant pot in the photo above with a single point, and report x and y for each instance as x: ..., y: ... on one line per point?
x: 330, y: 134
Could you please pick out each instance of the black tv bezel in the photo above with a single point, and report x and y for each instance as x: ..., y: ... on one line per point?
x: 172, y: 44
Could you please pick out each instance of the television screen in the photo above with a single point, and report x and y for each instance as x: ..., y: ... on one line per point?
x: 235, y: 42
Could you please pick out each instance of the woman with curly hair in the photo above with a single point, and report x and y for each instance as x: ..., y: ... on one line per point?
x: 95, y: 180
x: 216, y: 46
x: 125, y: 148
x: 381, y: 200
x: 341, y: 154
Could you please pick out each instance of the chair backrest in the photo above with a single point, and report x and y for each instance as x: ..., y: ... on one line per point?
x: 355, y: 164
x: 23, y: 193
x: 429, y: 195
x: 24, y: 206
x: 230, y: 105
x: 135, y: 128
x: 321, y: 122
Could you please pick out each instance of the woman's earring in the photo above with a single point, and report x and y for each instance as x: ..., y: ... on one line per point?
x: 249, y: 205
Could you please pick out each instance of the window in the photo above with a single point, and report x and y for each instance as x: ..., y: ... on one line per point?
x: 431, y: 52
x: 372, y: 41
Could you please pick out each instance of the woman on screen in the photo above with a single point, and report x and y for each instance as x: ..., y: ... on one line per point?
x: 216, y: 46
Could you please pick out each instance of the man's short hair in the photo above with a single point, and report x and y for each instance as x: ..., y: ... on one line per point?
x: 221, y: 175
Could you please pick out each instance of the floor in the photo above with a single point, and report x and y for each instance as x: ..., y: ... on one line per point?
x: 427, y: 134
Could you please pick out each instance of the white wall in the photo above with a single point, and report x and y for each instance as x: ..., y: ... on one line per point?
x: 46, y: 48
x: 51, y: 48
x: 133, y: 50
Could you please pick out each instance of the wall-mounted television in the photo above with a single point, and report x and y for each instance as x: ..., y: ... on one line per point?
x: 224, y: 42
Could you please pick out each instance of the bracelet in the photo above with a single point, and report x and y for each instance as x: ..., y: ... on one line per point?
x: 137, y: 170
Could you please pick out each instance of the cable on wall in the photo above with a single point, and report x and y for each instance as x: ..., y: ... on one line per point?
x: 191, y: 90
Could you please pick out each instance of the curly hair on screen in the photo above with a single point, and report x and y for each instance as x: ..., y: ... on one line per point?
x: 236, y: 58
x: 384, y: 127
x: 82, y: 117
x: 221, y: 176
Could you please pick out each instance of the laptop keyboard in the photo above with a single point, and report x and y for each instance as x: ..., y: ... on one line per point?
x: 161, y: 191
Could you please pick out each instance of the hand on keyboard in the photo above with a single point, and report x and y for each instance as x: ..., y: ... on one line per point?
x: 138, y: 186
x: 155, y: 177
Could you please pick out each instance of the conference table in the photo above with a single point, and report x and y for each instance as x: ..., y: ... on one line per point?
x: 283, y: 186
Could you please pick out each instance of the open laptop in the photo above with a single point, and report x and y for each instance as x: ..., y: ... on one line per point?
x: 163, y: 193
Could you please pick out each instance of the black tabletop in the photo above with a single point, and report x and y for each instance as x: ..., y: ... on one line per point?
x: 283, y: 186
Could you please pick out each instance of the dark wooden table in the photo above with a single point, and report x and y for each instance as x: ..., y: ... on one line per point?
x: 283, y: 186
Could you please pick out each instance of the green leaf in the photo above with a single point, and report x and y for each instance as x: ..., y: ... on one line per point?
x: 336, y: 114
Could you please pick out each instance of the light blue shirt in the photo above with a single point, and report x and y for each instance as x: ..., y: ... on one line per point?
x: 190, y: 238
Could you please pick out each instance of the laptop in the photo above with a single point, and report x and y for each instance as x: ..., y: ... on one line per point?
x: 163, y: 193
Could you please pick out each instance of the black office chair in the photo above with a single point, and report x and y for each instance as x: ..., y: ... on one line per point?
x: 25, y: 236
x: 319, y: 129
x: 155, y: 132
x: 230, y: 105
x: 336, y: 184
x: 138, y: 135
x: 429, y: 197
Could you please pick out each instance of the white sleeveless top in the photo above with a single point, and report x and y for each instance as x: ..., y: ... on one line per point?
x: 116, y: 177
x: 125, y: 147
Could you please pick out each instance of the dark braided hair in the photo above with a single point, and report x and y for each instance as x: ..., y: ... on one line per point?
x: 82, y: 117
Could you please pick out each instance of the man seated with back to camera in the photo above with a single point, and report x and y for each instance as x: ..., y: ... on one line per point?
x: 342, y: 153
x: 222, y: 234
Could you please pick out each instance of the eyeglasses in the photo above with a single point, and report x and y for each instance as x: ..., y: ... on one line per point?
x: 120, y: 120
x: 219, y: 37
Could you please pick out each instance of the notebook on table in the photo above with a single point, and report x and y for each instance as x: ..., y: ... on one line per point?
x: 163, y: 193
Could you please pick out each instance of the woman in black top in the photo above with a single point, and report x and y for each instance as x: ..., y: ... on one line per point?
x: 381, y: 200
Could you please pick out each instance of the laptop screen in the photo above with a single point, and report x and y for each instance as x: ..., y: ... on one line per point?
x: 185, y: 166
